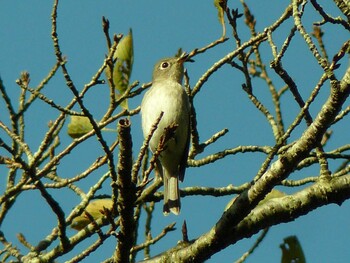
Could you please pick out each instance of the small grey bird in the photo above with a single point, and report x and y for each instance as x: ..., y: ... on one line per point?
x: 168, y: 96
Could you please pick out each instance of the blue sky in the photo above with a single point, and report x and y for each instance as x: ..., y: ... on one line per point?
x: 159, y: 29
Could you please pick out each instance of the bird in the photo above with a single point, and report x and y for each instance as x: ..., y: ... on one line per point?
x: 168, y: 97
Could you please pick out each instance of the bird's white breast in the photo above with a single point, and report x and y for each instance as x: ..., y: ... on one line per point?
x: 169, y: 98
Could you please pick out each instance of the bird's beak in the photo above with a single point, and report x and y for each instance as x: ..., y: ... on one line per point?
x: 183, y: 57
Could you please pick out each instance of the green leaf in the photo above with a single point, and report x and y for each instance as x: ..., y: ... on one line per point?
x: 95, y: 209
x: 122, y: 68
x: 221, y: 6
x: 79, y: 126
x: 292, y: 251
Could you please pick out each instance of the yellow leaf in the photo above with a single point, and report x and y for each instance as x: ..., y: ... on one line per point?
x: 122, y: 68
x: 95, y: 209
x: 273, y: 194
x: 221, y: 6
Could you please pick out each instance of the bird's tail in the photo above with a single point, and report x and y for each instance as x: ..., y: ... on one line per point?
x: 171, y: 194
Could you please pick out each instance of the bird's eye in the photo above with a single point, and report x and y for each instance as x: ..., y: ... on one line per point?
x: 164, y: 65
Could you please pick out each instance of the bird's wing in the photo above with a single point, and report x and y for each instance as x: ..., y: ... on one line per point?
x: 183, y: 162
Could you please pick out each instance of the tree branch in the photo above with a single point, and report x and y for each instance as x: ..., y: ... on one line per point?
x: 126, y: 194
